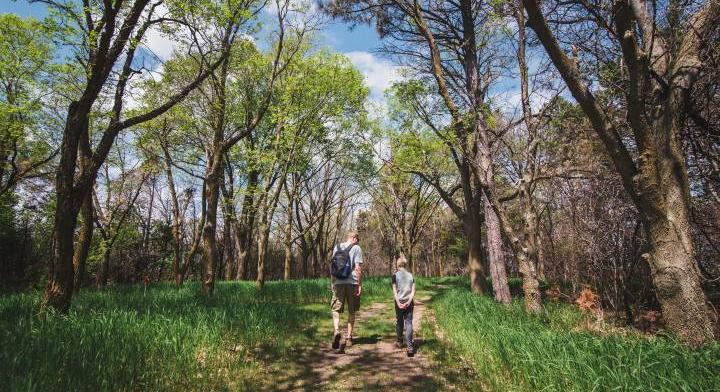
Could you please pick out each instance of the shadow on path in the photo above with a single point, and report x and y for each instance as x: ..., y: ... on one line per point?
x: 372, y: 363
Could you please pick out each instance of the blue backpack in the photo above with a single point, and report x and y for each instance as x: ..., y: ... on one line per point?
x: 341, y: 264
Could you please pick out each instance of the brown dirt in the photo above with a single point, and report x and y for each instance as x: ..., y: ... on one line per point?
x: 380, y: 364
x: 371, y: 363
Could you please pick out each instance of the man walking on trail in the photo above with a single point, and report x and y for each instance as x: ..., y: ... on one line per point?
x: 346, y: 283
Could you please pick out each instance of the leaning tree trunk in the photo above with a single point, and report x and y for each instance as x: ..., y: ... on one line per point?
x: 526, y: 255
x: 675, y: 275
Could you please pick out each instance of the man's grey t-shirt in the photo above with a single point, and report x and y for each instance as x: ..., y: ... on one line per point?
x: 356, y: 257
x: 403, y: 282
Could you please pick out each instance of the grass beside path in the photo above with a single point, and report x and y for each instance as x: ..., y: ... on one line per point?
x: 511, y: 350
x: 166, y: 339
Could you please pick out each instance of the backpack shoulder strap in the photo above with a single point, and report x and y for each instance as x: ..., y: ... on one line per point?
x: 352, y: 260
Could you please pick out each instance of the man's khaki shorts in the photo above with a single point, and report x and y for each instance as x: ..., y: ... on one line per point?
x: 345, y: 293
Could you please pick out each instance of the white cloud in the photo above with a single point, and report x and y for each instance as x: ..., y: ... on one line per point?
x: 379, y: 74
x: 160, y: 44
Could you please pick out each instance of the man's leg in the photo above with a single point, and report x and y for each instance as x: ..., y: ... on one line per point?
x: 336, y: 306
x: 336, y: 321
x: 353, y: 302
x: 351, y: 324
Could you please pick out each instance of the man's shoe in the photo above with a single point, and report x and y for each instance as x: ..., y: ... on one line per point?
x: 336, y: 341
x: 398, y: 344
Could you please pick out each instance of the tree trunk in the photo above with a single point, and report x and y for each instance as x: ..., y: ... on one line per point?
x: 262, y: 249
x: 229, y: 232
x: 498, y: 273
x: 289, y: 226
x: 246, y: 223
x: 288, y: 262
x: 84, y: 241
x: 59, y: 288
x: 58, y: 291
x: 243, y: 245
x: 102, y: 276
x: 525, y: 254
x: 473, y: 231
x: 176, y: 229
x: 305, y: 257
x: 531, y: 286
x: 540, y: 257
x: 228, y: 251
x: 674, y: 270
x: 210, y: 252
x: 528, y: 258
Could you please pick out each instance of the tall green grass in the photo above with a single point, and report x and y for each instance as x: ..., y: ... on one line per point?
x: 514, y: 351
x: 165, y: 339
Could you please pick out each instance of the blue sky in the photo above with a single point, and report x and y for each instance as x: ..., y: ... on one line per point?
x: 356, y: 42
x: 338, y: 35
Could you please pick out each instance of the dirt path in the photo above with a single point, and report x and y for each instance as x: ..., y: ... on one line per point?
x: 373, y: 362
